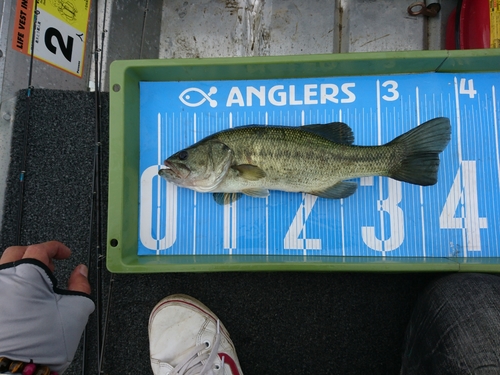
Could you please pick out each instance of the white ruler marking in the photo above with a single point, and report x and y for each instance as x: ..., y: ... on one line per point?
x: 230, y: 216
x: 342, y: 224
x: 417, y: 99
x: 495, y: 122
x: 195, y: 195
x: 380, y: 179
x: 158, y: 192
x: 459, y: 144
x: 266, y: 122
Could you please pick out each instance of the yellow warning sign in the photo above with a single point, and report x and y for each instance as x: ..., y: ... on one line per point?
x: 60, y: 32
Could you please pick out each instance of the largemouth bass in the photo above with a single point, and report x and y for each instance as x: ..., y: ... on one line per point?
x: 314, y: 159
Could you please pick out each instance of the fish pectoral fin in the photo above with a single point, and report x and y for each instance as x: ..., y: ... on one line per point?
x: 337, y: 132
x: 257, y: 193
x: 226, y: 198
x: 340, y: 190
x: 249, y: 172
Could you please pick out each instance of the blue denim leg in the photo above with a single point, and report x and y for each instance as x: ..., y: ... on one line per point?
x: 455, y: 328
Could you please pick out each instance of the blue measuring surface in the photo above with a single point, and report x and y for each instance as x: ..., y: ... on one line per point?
x: 457, y: 217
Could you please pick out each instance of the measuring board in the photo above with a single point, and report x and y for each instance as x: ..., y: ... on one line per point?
x: 457, y: 217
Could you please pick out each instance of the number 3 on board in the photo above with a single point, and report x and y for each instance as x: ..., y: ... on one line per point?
x: 389, y: 207
x: 392, y: 89
x: 462, y: 200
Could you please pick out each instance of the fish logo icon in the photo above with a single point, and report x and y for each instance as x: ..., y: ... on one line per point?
x: 186, y: 97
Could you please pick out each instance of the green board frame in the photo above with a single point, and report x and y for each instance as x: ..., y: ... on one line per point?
x: 123, y: 195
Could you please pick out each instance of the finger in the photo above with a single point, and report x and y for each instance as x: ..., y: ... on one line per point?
x: 12, y: 253
x: 47, y: 251
x: 78, y: 281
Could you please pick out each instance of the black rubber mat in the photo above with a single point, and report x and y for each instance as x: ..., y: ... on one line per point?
x: 281, y: 323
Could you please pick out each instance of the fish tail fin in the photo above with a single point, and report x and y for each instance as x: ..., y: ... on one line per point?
x: 421, y: 148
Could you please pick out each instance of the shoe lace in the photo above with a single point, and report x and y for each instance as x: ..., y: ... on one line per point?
x: 192, y: 364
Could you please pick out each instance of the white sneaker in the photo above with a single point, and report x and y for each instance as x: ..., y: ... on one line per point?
x: 186, y: 338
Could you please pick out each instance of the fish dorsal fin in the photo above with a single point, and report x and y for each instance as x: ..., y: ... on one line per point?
x: 337, y: 132
x: 226, y: 198
x: 249, y: 172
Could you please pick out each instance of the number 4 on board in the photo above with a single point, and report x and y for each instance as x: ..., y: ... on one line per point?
x: 469, y: 90
x: 463, y: 200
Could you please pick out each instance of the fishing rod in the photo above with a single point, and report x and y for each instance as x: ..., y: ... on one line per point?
x: 96, y: 214
x: 22, y: 173
x: 95, y: 233
x: 143, y: 32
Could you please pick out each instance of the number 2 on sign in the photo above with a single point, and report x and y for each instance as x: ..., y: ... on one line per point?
x: 462, y: 199
x: 66, y: 48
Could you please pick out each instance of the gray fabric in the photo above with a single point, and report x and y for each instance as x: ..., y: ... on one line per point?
x: 60, y: 127
x: 455, y: 328
x: 38, y: 321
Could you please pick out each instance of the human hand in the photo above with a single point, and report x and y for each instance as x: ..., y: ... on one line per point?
x: 45, y: 253
x: 40, y: 322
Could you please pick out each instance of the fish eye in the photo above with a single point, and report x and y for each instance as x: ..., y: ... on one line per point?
x: 183, y: 155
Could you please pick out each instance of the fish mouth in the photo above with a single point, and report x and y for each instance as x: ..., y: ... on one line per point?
x: 170, y: 168
x: 168, y: 165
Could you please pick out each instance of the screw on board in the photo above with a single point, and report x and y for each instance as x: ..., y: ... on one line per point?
x: 419, y: 8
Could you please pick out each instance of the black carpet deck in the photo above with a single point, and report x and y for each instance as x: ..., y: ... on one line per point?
x: 281, y: 323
